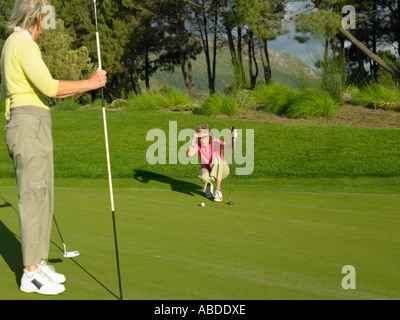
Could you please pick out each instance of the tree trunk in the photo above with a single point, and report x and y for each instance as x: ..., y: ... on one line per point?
x: 231, y: 44
x: 265, y: 60
x: 360, y: 61
x: 206, y: 47
x: 147, y: 71
x: 370, y: 54
x: 191, y: 78
x: 135, y: 81
x: 252, y: 58
x: 126, y: 80
x: 214, y: 66
x: 187, y: 74
x: 240, y: 57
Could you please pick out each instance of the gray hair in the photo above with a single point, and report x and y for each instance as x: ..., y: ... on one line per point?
x: 25, y: 12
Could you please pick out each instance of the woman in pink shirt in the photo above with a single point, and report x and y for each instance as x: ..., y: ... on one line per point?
x: 213, y: 165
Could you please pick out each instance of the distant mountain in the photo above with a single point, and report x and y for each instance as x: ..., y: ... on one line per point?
x: 284, y: 68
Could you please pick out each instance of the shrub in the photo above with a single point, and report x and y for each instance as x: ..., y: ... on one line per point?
x: 333, y: 77
x: 186, y: 107
x: 217, y: 104
x: 211, y: 106
x: 262, y: 94
x: 377, y: 96
x: 165, y: 97
x: 385, y: 105
x: 275, y: 97
x: 350, y: 93
x: 245, y: 100
x: 119, y: 103
x: 147, y: 101
x: 97, y: 103
x: 312, y: 103
x: 67, y: 105
x: 58, y: 51
x: 229, y: 106
x: 176, y: 99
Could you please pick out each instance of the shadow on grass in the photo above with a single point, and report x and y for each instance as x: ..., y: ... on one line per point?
x: 10, y: 250
x: 176, y: 185
x: 84, y: 270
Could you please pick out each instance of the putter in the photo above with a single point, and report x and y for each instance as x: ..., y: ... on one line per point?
x: 108, y: 153
x: 66, y: 254
x: 230, y: 176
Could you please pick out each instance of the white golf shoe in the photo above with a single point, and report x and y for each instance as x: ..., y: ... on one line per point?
x: 218, y: 196
x: 209, y: 190
x: 40, y: 282
x: 51, y: 272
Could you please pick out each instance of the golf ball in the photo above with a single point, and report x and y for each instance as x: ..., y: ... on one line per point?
x: 203, y: 204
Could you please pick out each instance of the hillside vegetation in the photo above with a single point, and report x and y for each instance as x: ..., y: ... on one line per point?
x: 285, y: 68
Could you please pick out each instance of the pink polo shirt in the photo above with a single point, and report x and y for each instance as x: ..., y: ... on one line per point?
x: 207, y: 155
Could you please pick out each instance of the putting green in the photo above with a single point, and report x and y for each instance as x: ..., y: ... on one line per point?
x: 282, y: 239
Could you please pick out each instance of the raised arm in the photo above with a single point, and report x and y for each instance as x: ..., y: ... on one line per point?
x: 193, y: 144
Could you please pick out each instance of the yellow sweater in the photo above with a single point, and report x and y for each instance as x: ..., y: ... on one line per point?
x: 25, y: 79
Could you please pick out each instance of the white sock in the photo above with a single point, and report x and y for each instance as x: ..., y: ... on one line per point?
x: 30, y: 274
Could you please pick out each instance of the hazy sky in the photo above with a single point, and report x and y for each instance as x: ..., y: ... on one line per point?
x: 308, y: 52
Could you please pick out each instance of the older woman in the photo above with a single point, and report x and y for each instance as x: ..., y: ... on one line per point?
x: 26, y: 85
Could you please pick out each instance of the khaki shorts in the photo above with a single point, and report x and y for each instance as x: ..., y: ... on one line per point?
x: 30, y: 145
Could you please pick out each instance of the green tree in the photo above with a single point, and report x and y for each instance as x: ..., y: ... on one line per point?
x: 205, y: 19
x: 63, y: 61
x: 322, y: 20
x: 250, y: 20
x: 386, y: 78
x: 233, y: 20
x: 5, y: 12
x: 148, y: 47
x: 179, y: 43
x: 114, y: 33
x: 265, y: 20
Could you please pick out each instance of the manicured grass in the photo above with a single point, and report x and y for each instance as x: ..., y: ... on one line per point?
x: 319, y: 198
x: 280, y: 150
x: 282, y: 239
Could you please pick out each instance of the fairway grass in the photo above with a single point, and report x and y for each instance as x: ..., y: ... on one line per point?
x: 280, y: 150
x: 282, y: 239
x: 319, y: 198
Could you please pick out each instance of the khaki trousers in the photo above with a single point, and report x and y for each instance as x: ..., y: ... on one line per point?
x: 30, y: 145
x: 219, y: 171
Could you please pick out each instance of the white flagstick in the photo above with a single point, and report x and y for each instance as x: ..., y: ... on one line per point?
x: 108, y: 153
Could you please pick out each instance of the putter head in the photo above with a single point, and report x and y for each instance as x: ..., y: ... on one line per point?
x: 71, y: 254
